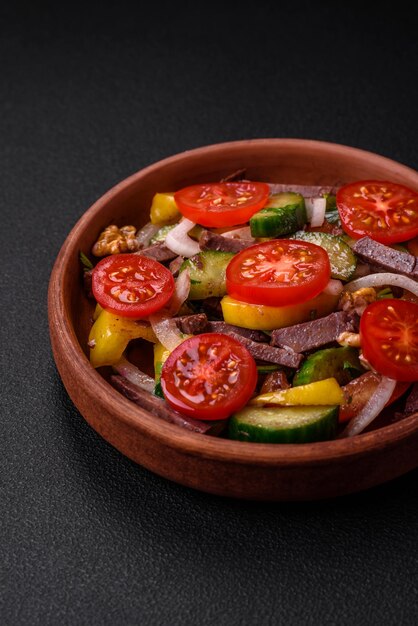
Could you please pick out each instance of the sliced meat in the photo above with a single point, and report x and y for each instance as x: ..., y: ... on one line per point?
x: 310, y: 335
x: 158, y: 252
x: 275, y: 381
x: 157, y: 406
x: 175, y: 265
x: 385, y: 258
x: 212, y: 241
x: 307, y: 191
x: 270, y: 354
x: 227, y: 329
x: 411, y: 405
x: 192, y: 324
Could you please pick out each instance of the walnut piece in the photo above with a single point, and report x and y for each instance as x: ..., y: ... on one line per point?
x: 349, y: 339
x: 357, y: 301
x: 114, y: 240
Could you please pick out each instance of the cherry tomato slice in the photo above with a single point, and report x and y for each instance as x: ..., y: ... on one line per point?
x: 389, y: 338
x: 359, y: 391
x: 209, y: 376
x: 278, y: 272
x: 131, y: 285
x: 385, y: 211
x: 222, y: 204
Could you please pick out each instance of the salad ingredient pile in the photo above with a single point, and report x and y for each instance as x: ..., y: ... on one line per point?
x: 277, y: 313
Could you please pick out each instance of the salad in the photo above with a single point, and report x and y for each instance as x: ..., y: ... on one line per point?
x: 275, y: 313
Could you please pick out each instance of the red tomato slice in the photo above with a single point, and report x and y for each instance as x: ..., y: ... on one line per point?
x: 209, y: 376
x: 131, y: 285
x: 358, y: 391
x: 278, y: 272
x: 385, y: 211
x: 389, y: 338
x: 222, y: 204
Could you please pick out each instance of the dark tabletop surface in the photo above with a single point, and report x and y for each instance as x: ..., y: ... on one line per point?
x: 88, y: 97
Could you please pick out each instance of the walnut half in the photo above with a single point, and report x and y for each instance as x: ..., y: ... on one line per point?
x: 356, y: 301
x: 114, y: 240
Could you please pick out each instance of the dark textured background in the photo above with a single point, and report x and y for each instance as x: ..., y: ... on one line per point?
x: 87, y: 97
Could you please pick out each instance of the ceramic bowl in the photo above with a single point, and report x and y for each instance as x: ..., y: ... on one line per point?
x: 220, y: 466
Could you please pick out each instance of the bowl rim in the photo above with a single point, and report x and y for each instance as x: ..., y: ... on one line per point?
x: 170, y: 434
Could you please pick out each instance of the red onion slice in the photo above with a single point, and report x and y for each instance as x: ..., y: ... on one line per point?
x: 134, y: 375
x: 181, y: 293
x: 162, y: 322
x: 166, y: 330
x: 383, y: 278
x: 315, y: 210
x: 334, y: 287
x: 145, y: 234
x: 239, y: 233
x: 178, y: 240
x: 372, y: 409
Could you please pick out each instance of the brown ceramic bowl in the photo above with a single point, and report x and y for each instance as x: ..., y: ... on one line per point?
x: 219, y: 466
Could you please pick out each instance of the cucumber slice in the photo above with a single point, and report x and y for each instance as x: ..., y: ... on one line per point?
x: 207, y: 273
x: 340, y: 363
x: 291, y: 424
x: 341, y: 257
x: 162, y: 233
x: 283, y: 214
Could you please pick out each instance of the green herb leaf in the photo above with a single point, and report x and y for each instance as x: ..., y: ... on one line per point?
x: 384, y: 293
x: 85, y: 261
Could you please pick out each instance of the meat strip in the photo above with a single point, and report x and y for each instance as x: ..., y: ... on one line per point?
x: 212, y: 241
x: 175, y: 265
x: 265, y: 352
x: 227, y: 329
x: 159, y: 252
x: 307, y: 191
x: 192, y: 324
x: 157, y: 406
x: 411, y: 405
x: 315, y: 334
x: 385, y: 258
x: 275, y: 381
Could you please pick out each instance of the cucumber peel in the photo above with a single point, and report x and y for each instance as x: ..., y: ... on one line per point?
x: 340, y: 363
x: 295, y: 424
x: 283, y: 214
x: 207, y: 273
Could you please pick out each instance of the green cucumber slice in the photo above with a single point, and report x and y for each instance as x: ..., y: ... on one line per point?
x: 341, y: 257
x: 207, y: 273
x: 162, y: 233
x: 340, y: 363
x: 283, y: 214
x: 290, y: 424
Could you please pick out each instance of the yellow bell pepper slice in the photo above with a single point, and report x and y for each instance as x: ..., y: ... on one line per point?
x: 161, y: 354
x: 110, y: 334
x: 164, y: 208
x: 320, y: 393
x: 263, y: 317
x: 97, y: 311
